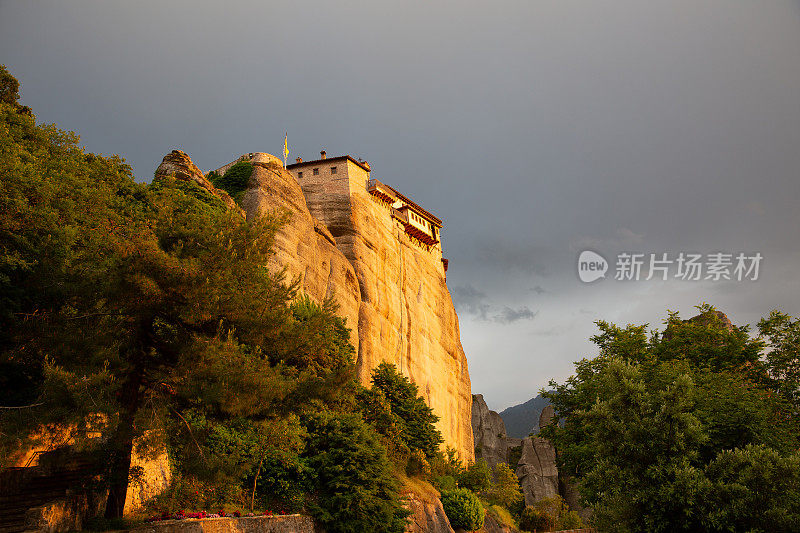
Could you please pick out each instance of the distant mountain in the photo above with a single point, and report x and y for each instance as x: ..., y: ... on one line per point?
x: 523, y: 419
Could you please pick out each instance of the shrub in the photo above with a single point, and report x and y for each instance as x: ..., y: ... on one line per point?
x: 445, y: 483
x: 355, y: 490
x: 534, y: 519
x: 463, y: 509
x: 477, y: 478
x: 549, y: 514
x: 506, y: 491
x: 235, y: 180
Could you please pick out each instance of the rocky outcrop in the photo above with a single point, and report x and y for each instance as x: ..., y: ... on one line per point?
x: 489, y: 433
x: 150, y: 475
x: 303, y: 245
x: 427, y: 514
x: 406, y: 315
x: 536, y: 470
x: 344, y: 244
x: 178, y: 165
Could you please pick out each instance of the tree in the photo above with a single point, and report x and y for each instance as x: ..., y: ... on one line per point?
x: 505, y: 490
x: 646, y: 418
x: 119, y: 296
x: 355, y: 489
x: 782, y: 359
x: 415, y: 419
x: 476, y: 477
x: 754, y: 488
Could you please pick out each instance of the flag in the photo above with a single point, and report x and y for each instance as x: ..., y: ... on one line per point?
x: 286, y: 146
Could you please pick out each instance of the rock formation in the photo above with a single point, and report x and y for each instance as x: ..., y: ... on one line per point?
x: 427, y: 514
x: 303, y: 245
x: 536, y: 470
x: 178, y: 165
x: 489, y: 433
x: 343, y: 243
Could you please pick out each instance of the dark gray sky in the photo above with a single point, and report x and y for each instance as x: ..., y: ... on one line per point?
x: 534, y: 129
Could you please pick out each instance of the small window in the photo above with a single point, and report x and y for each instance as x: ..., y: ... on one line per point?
x: 316, y: 172
x: 333, y: 170
x: 299, y: 175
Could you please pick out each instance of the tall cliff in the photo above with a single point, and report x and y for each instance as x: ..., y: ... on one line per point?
x: 342, y: 242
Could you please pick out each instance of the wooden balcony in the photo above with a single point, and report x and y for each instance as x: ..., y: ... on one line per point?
x: 381, y: 191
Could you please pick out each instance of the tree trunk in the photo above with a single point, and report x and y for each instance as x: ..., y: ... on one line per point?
x: 121, y: 445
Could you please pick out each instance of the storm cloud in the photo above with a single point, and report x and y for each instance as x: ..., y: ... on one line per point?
x: 532, y: 129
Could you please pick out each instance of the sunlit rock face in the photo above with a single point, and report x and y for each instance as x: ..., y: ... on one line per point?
x: 178, y: 165
x: 303, y: 245
x: 343, y: 242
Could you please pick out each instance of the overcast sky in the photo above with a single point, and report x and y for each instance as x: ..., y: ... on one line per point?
x: 534, y: 129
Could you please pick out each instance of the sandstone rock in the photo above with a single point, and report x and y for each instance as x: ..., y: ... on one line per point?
x: 710, y: 318
x: 406, y: 316
x: 179, y: 165
x: 537, y: 470
x: 342, y: 242
x: 153, y: 476
x: 427, y: 515
x: 489, y: 433
x: 303, y: 245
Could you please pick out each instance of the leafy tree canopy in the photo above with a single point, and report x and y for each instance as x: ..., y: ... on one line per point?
x: 650, y: 421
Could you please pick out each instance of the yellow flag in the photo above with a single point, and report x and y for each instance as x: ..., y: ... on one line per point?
x: 286, y: 145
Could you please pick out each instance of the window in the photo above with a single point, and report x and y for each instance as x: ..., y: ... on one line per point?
x: 316, y: 172
x: 299, y: 175
x: 333, y: 170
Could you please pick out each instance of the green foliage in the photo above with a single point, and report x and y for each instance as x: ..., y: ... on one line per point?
x: 502, y: 515
x: 136, y: 310
x: 414, y: 419
x: 754, y: 489
x: 355, y: 489
x: 647, y: 418
x: 477, y: 477
x: 505, y: 490
x: 463, y: 509
x: 235, y: 180
x: 782, y: 359
x: 549, y: 514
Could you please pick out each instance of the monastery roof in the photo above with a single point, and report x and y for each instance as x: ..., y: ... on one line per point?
x: 362, y: 164
x: 427, y: 214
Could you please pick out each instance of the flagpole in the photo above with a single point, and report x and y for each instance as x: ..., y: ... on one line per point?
x: 285, y: 148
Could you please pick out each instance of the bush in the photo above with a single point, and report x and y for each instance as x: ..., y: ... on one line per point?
x: 356, y: 490
x: 463, y: 509
x: 235, y: 180
x: 477, y: 478
x: 550, y: 514
x: 572, y: 520
x: 506, y: 491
